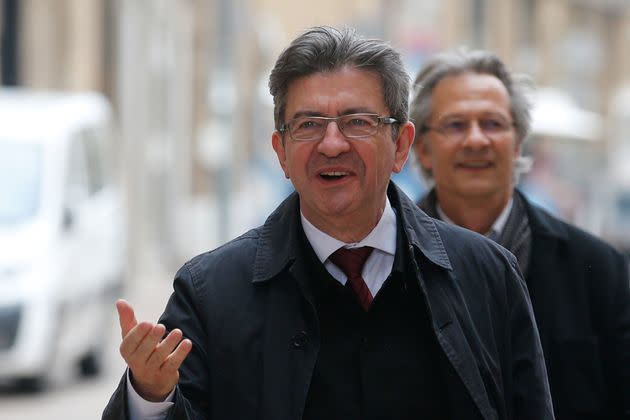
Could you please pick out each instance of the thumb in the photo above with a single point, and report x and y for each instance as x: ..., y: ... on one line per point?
x: 126, y: 317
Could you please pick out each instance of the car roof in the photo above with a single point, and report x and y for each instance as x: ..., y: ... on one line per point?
x: 47, y: 115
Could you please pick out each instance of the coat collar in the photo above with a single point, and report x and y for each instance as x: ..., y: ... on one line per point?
x: 278, y: 245
x: 542, y: 223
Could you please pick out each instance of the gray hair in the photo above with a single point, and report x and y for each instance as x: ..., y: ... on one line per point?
x: 326, y: 49
x: 460, y: 61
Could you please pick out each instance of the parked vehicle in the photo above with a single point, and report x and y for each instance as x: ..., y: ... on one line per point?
x: 62, y: 234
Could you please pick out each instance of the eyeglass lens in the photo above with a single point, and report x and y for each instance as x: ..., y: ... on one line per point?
x: 458, y: 128
x: 314, y: 128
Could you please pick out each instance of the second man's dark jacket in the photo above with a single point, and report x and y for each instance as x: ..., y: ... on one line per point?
x: 580, y: 291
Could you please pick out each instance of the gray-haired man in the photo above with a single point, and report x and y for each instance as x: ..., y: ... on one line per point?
x: 472, y: 117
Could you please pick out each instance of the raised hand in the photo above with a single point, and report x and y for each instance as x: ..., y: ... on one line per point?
x: 154, y: 361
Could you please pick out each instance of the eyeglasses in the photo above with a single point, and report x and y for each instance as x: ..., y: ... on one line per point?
x: 456, y: 129
x: 354, y: 126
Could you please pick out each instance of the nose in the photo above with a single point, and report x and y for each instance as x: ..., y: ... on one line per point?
x: 475, y: 137
x: 334, y: 142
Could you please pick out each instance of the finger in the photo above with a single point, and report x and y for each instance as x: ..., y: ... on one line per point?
x: 164, y: 348
x: 134, y: 338
x: 148, y: 344
x: 126, y: 316
x: 176, y: 358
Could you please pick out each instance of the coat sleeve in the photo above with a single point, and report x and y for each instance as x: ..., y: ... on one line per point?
x: 116, y: 408
x: 183, y: 311
x: 192, y: 393
x: 531, y: 396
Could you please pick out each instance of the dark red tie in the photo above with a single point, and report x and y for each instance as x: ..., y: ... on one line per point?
x: 351, y: 262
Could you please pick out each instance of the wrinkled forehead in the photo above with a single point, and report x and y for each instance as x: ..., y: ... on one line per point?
x: 470, y: 93
x: 344, y: 91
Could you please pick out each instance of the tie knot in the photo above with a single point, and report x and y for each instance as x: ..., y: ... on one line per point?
x: 351, y: 260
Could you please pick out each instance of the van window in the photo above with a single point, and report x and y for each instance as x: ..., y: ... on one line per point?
x: 76, y: 181
x: 94, y: 142
x: 20, y: 181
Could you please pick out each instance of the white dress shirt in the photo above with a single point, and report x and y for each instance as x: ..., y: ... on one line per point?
x: 375, y: 271
x: 141, y: 409
x: 380, y: 262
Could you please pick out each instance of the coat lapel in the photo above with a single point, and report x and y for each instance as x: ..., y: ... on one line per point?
x: 432, y: 268
x: 291, y: 333
x: 547, y: 238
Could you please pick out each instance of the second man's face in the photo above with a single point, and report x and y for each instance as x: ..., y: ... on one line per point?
x: 341, y: 179
x: 479, y: 163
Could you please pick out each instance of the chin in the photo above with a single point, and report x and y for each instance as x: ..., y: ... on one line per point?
x: 475, y: 190
x: 339, y: 205
x: 337, y: 208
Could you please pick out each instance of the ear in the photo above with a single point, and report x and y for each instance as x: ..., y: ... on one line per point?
x: 422, y: 148
x: 278, y: 146
x: 404, y: 141
x: 517, y: 148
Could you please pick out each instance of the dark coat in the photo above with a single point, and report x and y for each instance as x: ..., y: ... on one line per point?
x: 249, y: 312
x: 580, y: 291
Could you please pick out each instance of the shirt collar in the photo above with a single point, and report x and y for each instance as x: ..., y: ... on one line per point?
x: 382, y: 237
x: 498, y: 224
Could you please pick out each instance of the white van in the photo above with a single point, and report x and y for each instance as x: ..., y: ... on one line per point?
x: 62, y: 233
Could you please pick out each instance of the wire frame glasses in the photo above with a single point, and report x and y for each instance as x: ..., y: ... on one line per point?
x: 456, y: 129
x: 354, y: 126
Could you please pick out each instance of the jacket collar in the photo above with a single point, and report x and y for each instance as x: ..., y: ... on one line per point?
x: 428, y: 204
x: 278, y: 245
x: 541, y: 222
x: 421, y: 229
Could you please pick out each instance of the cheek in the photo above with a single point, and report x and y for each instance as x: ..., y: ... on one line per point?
x: 297, y: 162
x: 380, y: 157
x: 443, y: 157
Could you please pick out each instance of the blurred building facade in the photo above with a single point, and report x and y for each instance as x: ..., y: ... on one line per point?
x: 188, y: 81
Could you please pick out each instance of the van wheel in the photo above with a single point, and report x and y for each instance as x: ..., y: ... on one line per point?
x: 91, y: 364
x: 31, y: 384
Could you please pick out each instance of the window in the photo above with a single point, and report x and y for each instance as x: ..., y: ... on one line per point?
x: 20, y: 181
x: 96, y: 156
x: 76, y: 188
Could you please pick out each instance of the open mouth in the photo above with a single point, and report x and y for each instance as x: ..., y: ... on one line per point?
x: 333, y: 175
x: 475, y: 165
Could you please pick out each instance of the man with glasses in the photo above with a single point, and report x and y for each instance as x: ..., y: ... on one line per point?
x: 472, y: 117
x: 349, y: 302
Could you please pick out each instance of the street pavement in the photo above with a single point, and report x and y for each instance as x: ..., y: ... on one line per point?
x: 83, y: 399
